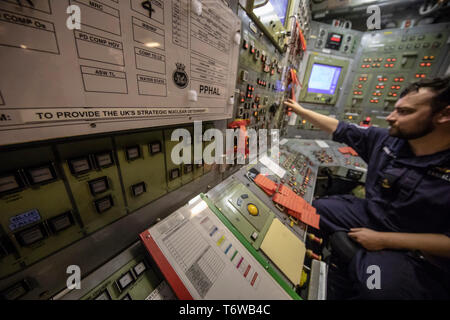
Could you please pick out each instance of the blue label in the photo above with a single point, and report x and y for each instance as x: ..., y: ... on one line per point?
x: 24, y: 219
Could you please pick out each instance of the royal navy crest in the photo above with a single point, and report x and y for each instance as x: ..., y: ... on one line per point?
x: 180, y: 77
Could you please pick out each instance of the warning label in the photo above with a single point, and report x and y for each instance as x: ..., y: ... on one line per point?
x: 51, y: 115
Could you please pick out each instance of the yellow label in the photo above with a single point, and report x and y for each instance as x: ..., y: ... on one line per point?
x: 220, y: 241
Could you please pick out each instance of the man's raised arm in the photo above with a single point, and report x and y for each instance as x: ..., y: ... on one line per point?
x: 325, y: 123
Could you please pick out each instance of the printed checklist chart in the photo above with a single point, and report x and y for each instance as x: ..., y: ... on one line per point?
x: 208, y: 259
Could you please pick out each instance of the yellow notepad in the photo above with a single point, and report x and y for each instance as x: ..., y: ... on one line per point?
x: 285, y: 250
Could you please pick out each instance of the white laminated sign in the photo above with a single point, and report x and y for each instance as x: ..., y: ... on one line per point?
x: 131, y: 65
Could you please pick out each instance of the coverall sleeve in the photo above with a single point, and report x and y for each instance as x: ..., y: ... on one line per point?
x: 362, y: 139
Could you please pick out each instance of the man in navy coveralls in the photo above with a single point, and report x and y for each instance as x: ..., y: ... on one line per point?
x: 403, y: 224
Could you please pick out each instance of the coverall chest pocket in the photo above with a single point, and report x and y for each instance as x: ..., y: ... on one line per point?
x: 397, y: 185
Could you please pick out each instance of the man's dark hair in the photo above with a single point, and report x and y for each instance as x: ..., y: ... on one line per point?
x: 440, y: 87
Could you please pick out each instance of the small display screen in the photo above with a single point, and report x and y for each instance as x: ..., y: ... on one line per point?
x: 138, y: 189
x: 60, y: 222
x: 103, y: 204
x: 103, y: 296
x: 41, y: 174
x: 155, y: 147
x: 78, y: 166
x: 125, y: 280
x: 31, y: 235
x: 9, y: 182
x: 139, y: 268
x: 104, y: 159
x: 324, y: 79
x: 98, y: 185
x: 133, y: 153
x: 280, y: 7
x: 175, y: 173
x: 16, y: 291
x: 187, y: 168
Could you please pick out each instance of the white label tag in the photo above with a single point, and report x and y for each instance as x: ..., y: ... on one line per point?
x: 322, y: 144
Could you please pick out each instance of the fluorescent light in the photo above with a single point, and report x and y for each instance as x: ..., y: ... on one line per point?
x: 152, y: 44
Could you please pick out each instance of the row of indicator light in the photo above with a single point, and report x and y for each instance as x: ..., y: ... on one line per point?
x: 428, y: 57
x: 257, y: 53
x: 235, y: 257
x: 423, y: 64
x: 420, y: 75
x: 392, y: 94
x: 377, y: 65
x: 370, y: 59
x: 362, y: 79
x: 261, y: 82
x: 379, y: 59
x: 250, y: 90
